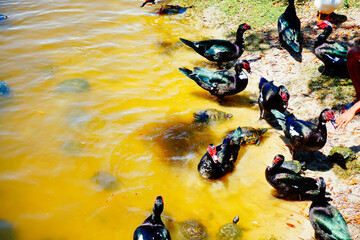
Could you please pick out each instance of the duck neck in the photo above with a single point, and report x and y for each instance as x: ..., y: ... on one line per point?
x: 323, y: 36
x: 240, y: 37
x: 291, y: 4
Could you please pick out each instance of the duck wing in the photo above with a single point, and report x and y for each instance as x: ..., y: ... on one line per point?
x: 220, y: 49
x: 332, y: 224
x: 290, y: 35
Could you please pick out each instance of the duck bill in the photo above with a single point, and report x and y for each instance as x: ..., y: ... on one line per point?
x: 334, y: 124
x: 215, y: 158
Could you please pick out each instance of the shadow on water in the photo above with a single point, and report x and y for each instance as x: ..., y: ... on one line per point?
x: 178, y: 140
x: 242, y: 100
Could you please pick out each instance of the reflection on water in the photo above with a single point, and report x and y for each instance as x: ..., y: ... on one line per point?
x: 89, y: 164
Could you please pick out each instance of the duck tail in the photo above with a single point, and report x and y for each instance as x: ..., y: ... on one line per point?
x: 185, y: 71
x: 236, y: 136
x: 262, y: 82
x: 280, y: 117
x: 187, y: 42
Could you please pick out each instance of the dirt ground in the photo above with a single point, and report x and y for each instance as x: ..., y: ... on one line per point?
x: 276, y: 64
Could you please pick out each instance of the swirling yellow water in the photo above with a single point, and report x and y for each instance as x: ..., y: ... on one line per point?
x: 135, y: 123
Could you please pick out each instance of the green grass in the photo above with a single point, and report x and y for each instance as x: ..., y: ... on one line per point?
x: 352, y: 168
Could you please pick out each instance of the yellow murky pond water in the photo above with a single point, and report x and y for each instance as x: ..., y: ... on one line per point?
x: 135, y: 123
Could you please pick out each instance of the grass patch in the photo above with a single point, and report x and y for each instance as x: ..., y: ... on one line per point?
x: 337, y: 90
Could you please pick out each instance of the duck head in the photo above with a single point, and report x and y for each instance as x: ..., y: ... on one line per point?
x: 242, y: 64
x: 212, y: 152
x: 158, y: 206
x: 321, y: 185
x: 244, y: 26
x: 277, y: 161
x: 323, y: 25
x: 228, y: 115
x: 147, y: 1
x: 328, y: 115
x: 285, y: 95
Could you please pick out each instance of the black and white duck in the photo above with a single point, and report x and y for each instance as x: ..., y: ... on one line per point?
x: 290, y: 35
x: 326, y: 219
x: 219, y: 161
x: 288, y: 183
x: 221, y: 83
x: 153, y: 228
x: 304, y: 135
x: 331, y: 53
x: 272, y: 97
x: 218, y: 50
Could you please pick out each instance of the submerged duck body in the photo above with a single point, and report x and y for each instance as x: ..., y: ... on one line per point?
x: 331, y: 53
x: 218, y: 50
x: 153, y: 228
x: 219, y: 161
x: 304, y: 135
x: 289, y: 183
x: 211, y: 115
x: 272, y: 97
x: 220, y: 83
x: 290, y: 35
x: 326, y: 219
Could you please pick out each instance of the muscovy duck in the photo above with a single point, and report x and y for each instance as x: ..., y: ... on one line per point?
x: 304, y: 135
x: 288, y: 183
x: 290, y: 35
x: 221, y: 83
x: 326, y: 219
x: 272, y: 97
x: 218, y: 50
x: 219, y: 160
x: 153, y: 227
x: 331, y: 53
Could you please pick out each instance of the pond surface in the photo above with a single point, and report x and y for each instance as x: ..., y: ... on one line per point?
x: 89, y: 163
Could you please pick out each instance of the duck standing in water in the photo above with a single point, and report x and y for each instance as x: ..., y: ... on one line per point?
x: 287, y: 182
x: 331, y: 53
x: 153, y: 228
x: 218, y: 50
x: 219, y: 160
x: 326, y: 219
x: 272, y: 97
x: 221, y: 83
x: 304, y: 135
x: 290, y: 35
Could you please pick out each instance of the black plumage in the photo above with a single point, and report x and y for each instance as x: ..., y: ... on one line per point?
x: 220, y: 83
x: 218, y: 50
x: 219, y: 161
x: 331, y: 53
x: 288, y: 183
x: 289, y: 29
x: 304, y: 135
x: 326, y: 219
x: 153, y: 228
x: 272, y: 97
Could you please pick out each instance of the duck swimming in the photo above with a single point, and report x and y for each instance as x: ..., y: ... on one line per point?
x: 153, y: 228
x: 218, y: 50
x: 219, y: 161
x: 290, y: 35
x: 304, y: 135
x: 326, y: 219
x: 221, y: 83
x: 272, y: 97
x: 331, y: 53
x: 288, y: 183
